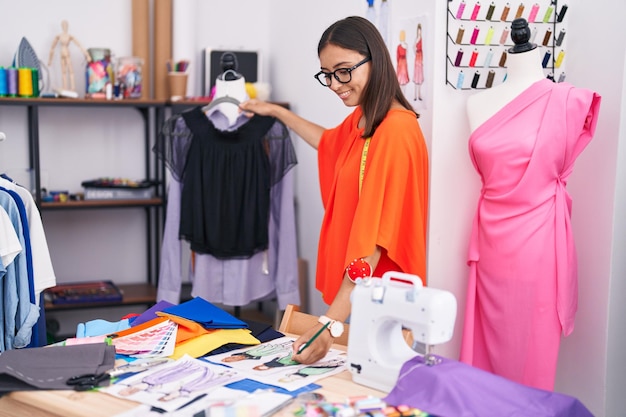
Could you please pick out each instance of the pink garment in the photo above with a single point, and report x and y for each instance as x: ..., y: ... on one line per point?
x: 523, y: 285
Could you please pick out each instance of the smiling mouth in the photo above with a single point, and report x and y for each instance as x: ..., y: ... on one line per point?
x: 343, y: 95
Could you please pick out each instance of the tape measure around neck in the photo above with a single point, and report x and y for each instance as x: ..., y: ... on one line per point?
x: 366, y: 146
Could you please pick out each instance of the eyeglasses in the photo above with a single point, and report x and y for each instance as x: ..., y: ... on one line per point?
x: 343, y: 75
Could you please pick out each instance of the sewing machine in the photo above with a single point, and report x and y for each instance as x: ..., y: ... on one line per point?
x: 381, y: 309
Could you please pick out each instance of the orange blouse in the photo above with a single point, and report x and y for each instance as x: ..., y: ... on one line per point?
x: 392, y: 208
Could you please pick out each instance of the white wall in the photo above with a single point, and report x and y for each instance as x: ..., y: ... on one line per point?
x: 591, y: 366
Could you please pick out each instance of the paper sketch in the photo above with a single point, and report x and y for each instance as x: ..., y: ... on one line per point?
x: 173, y: 385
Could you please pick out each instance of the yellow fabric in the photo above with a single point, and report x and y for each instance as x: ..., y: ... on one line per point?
x: 392, y: 209
x: 205, y: 343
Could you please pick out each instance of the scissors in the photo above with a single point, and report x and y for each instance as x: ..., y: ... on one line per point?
x: 87, y: 382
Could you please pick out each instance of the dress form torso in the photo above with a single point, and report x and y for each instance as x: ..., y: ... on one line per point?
x: 523, y: 70
x: 230, y: 88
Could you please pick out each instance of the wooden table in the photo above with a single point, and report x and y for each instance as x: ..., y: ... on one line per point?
x: 96, y: 404
x: 335, y: 388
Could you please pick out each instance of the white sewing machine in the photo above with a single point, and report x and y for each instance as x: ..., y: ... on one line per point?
x: 381, y: 308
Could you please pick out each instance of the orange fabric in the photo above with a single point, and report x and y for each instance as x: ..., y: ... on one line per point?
x: 391, y: 211
x: 187, y: 329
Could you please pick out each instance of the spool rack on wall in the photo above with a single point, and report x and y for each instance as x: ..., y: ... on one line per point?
x: 478, y: 37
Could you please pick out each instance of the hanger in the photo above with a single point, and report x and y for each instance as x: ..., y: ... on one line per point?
x: 226, y: 75
x: 220, y: 100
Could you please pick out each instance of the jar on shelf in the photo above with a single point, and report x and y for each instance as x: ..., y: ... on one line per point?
x: 128, y: 76
x: 99, y: 72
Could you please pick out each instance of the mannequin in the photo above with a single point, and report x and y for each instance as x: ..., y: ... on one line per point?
x: 64, y: 39
x: 523, y: 69
x: 229, y: 84
x: 522, y: 288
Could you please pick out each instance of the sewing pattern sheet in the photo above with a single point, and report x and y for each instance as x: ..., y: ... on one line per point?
x: 173, y: 385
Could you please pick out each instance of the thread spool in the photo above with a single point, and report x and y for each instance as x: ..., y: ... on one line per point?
x: 24, y: 82
x: 502, y: 62
x: 459, y: 57
x: 12, y: 82
x: 561, y: 15
x: 546, y: 59
x: 490, y: 10
x: 489, y: 35
x: 548, y: 15
x: 35, y: 78
x: 459, y: 81
x: 473, y: 58
x: 3, y: 82
x: 475, y: 79
x: 504, y: 36
x: 547, y: 37
x: 533, y: 13
x: 459, y: 12
x: 475, y: 11
x: 488, y: 59
x: 559, y: 59
x: 559, y: 39
x: 459, y: 34
x: 474, y: 35
x: 490, y: 77
x: 505, y: 12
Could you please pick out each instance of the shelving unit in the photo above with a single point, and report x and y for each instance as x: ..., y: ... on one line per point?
x: 152, y: 114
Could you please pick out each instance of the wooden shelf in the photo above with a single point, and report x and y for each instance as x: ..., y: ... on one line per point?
x: 137, y: 103
x: 145, y: 202
x: 133, y: 294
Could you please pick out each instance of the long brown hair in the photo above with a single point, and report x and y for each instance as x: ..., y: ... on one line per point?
x: 359, y: 34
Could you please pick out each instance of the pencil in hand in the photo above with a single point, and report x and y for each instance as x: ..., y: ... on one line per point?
x: 315, y: 336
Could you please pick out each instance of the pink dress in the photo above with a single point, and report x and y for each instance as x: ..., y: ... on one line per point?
x: 523, y: 289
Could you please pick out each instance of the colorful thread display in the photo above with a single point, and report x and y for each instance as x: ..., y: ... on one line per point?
x: 490, y: 34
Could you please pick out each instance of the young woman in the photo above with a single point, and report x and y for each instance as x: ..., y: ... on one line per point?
x: 373, y: 171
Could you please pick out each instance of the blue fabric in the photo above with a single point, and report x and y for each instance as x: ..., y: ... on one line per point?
x: 206, y: 314
x: 100, y: 327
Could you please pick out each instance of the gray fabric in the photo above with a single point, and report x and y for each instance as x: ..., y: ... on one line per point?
x: 50, y: 367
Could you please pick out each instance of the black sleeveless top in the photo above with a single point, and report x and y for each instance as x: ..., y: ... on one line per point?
x: 225, y: 198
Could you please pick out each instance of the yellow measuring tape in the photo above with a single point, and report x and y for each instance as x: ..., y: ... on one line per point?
x: 363, y: 159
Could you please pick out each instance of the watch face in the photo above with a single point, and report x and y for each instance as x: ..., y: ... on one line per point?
x: 336, y: 329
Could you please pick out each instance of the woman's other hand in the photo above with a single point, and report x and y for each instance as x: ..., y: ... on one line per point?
x: 255, y: 106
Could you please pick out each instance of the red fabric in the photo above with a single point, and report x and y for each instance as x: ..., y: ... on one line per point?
x: 391, y: 211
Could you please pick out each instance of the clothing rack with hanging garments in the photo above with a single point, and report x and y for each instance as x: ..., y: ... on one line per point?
x: 197, y: 145
x: 25, y: 268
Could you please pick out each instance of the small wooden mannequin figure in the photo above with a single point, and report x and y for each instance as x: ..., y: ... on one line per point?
x: 64, y: 39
